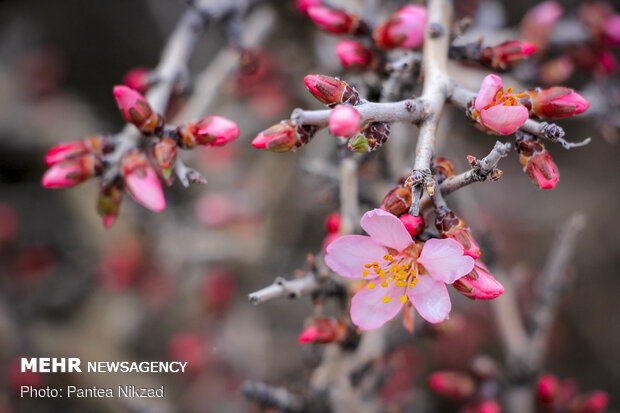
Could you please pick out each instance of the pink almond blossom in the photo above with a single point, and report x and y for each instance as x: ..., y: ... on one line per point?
x: 496, y: 110
x: 397, y: 269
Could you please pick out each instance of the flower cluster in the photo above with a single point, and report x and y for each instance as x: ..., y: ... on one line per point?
x: 140, y: 166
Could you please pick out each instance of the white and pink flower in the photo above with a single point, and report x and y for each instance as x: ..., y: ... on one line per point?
x: 398, y: 269
x: 496, y: 110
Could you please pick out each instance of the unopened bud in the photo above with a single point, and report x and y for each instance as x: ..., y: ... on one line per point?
x: 336, y: 21
x: 451, y: 226
x: 488, y: 406
x: 537, y: 162
x: 556, y: 102
x: 612, y: 30
x: 137, y: 111
x: 595, y: 402
x: 304, y: 5
x: 141, y: 181
x: 538, y: 22
x: 547, y: 389
x: 108, y: 204
x: 165, y: 153
x: 284, y: 136
x: 138, y: 79
x: 323, y: 331
x: 70, y: 150
x: 451, y: 384
x: 413, y: 225
x: 72, y: 172
x: 354, y: 55
x: 371, y: 137
x: 506, y: 55
x: 404, y: 29
x: 397, y: 201
x: 479, y: 284
x: 444, y: 169
x: 208, y: 131
x: 330, y: 90
x: 344, y: 121
x: 332, y: 222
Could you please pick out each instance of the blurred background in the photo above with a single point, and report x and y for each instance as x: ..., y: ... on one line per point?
x: 174, y: 285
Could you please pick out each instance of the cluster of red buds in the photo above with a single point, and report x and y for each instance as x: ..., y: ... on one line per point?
x: 537, y: 163
x: 554, y: 395
x: 141, y: 166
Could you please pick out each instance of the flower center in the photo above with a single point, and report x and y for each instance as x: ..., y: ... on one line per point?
x: 400, y: 270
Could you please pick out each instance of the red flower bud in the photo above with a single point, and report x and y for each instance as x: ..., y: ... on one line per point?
x: 304, y: 5
x: 414, y: 225
x: 336, y: 21
x: 344, y: 121
x: 397, y: 201
x: 506, y: 55
x: 556, y: 102
x: 479, y: 284
x: 208, y: 131
x: 404, y: 29
x: 612, y: 30
x: 72, y: 172
x: 547, y: 389
x: 332, y: 222
x: 451, y: 384
x: 137, y: 79
x: 284, y: 136
x: 69, y: 150
x: 108, y: 204
x: 488, y: 406
x: 451, y: 226
x: 537, y: 162
x: 323, y: 331
x: 354, y: 55
x: 596, y: 402
x: 165, y: 153
x: 136, y: 110
x: 330, y: 90
x: 141, y: 181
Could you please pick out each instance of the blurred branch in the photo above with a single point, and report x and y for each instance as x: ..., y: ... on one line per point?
x: 276, y: 397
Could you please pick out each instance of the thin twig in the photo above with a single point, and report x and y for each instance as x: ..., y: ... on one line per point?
x: 283, y: 288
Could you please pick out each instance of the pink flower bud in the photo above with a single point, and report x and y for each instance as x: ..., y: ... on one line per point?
x: 141, y: 181
x: 547, y: 389
x: 332, y: 222
x: 506, y: 55
x: 414, y: 225
x: 596, y: 402
x: 208, y: 131
x: 496, y: 110
x: 136, y: 110
x: 304, y: 5
x: 70, y: 150
x: 556, y: 102
x: 71, y: 172
x: 451, y: 384
x: 354, y: 55
x: 397, y: 201
x: 336, y: 21
x: 284, y: 137
x: 612, y: 29
x: 323, y: 331
x: 108, y: 204
x: 451, y: 226
x: 479, y: 284
x: 404, y: 29
x: 330, y: 90
x: 344, y: 121
x: 537, y: 163
x: 137, y: 79
x: 489, y: 406
x: 538, y: 21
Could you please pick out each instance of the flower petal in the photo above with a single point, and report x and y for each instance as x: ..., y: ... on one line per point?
x: 444, y: 260
x: 491, y: 84
x: 386, y: 229
x: 431, y: 299
x: 368, y: 311
x: 348, y: 254
x: 504, y: 119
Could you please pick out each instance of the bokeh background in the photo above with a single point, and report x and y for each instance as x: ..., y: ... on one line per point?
x: 174, y: 285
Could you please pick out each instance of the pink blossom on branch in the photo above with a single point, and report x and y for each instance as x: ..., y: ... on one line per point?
x: 496, y: 110
x: 136, y: 110
x: 398, y: 269
x: 137, y: 79
x: 344, y: 121
x: 404, y: 29
x: 208, y: 131
x: 141, y: 181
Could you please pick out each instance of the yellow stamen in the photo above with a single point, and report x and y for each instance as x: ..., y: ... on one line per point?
x: 377, y: 270
x: 521, y: 95
x: 388, y: 257
x: 509, y: 90
x: 367, y: 265
x: 375, y: 264
x: 371, y: 285
x: 382, y: 274
x: 365, y: 273
x: 384, y: 284
x: 403, y: 299
x: 386, y: 299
